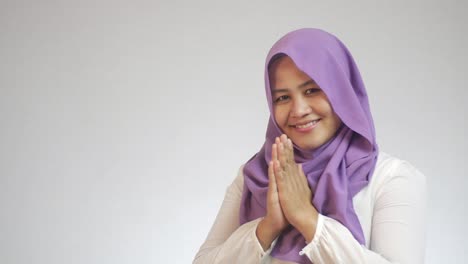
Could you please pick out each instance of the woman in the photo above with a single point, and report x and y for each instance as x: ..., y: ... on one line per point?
x: 319, y: 190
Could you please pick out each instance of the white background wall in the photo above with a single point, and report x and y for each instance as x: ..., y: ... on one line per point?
x: 123, y: 122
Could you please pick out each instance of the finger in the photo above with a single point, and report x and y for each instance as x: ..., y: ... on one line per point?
x: 288, y: 147
x: 274, y: 152
x: 284, y: 140
x: 290, y: 150
x: 277, y: 142
x: 277, y: 171
x: 282, y: 155
x: 271, y: 177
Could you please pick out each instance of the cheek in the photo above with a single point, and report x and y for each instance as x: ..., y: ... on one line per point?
x: 334, y: 119
x: 323, y: 107
x: 337, y: 120
x: 281, y: 115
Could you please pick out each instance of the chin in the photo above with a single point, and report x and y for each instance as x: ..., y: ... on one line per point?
x: 307, y: 146
x: 311, y: 143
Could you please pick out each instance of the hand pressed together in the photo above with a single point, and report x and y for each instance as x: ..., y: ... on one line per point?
x: 289, y: 196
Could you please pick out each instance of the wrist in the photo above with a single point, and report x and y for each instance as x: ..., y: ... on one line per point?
x: 307, y: 223
x: 271, y: 229
x: 266, y: 233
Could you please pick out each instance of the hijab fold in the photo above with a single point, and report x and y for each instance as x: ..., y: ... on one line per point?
x: 337, y: 170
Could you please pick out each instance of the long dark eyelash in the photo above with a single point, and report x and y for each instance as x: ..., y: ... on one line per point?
x: 277, y: 100
x: 313, y: 90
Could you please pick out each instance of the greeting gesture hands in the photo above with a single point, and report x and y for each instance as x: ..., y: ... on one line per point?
x: 289, y: 196
x: 294, y: 192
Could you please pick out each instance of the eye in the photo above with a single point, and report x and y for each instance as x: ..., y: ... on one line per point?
x: 312, y: 90
x: 281, y: 98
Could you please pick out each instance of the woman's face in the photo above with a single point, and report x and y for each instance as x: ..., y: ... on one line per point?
x: 301, y: 108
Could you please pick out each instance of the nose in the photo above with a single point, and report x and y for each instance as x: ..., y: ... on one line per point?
x: 300, y: 108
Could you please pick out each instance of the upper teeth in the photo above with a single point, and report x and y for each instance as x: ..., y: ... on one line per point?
x: 308, y: 124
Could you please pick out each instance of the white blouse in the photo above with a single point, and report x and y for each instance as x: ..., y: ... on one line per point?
x: 391, y: 210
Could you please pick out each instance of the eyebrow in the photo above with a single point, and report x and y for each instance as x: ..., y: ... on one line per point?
x: 300, y: 86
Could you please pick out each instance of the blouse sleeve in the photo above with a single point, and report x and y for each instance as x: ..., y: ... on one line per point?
x: 227, y: 241
x: 398, y: 226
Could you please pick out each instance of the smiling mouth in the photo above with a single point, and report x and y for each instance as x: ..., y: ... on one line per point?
x: 309, y: 124
x: 305, y: 128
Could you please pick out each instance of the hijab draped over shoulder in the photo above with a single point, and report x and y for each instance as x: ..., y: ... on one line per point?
x: 337, y: 170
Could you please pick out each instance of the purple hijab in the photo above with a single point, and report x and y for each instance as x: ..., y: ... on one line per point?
x: 337, y: 170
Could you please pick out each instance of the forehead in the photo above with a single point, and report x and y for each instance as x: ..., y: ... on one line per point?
x: 283, y: 70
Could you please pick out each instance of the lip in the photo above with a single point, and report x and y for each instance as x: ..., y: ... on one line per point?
x: 306, y: 129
